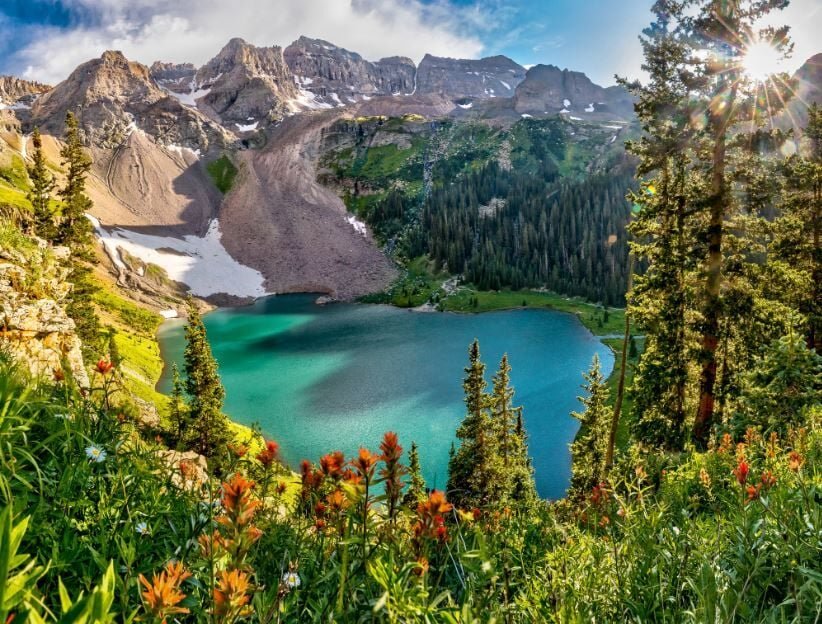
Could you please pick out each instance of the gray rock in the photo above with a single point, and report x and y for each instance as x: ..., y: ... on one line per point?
x: 492, y: 77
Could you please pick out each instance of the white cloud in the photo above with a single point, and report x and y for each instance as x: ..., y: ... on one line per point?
x: 194, y: 30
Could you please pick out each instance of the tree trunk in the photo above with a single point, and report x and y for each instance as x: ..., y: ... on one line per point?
x: 713, y: 303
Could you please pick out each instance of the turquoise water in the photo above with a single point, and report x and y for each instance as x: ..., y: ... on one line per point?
x: 323, y: 378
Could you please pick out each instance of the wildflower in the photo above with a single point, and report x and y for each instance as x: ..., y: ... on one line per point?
x: 599, y: 493
x: 95, y: 453
x: 795, y: 461
x: 768, y: 479
x: 231, y: 595
x: 210, y: 543
x: 332, y: 464
x: 725, y: 444
x: 336, y: 501
x: 436, y: 504
x: 269, y: 453
x: 239, y: 450
x: 104, y: 367
x: 476, y: 513
x: 142, y: 528
x: 281, y: 487
x: 604, y: 522
x: 640, y: 473
x: 705, y: 478
x: 58, y: 374
x: 741, y: 471
x: 753, y: 493
x: 393, y: 471
x: 621, y: 512
x: 430, y: 522
x: 162, y: 594
x: 291, y: 580
x: 772, y: 443
x: 365, y: 463
x: 236, y: 501
x: 351, y: 477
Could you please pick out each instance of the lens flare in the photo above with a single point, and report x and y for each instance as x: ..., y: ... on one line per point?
x: 761, y: 61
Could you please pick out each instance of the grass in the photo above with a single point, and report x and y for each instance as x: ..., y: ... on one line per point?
x: 600, y: 321
x: 222, y: 172
x: 135, y: 328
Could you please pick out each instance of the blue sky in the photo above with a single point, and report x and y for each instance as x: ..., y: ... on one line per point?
x: 46, y: 39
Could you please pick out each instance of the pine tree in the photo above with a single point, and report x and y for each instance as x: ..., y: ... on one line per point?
x: 517, y: 480
x: 178, y: 411
x: 700, y: 115
x: 74, y: 229
x: 475, y: 469
x: 209, y: 426
x: 589, y: 447
x: 416, y: 486
x: 42, y: 184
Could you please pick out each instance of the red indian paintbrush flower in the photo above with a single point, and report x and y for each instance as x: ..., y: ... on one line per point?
x: 104, y: 367
x: 393, y: 472
x: 236, y: 500
x: 795, y: 461
x: 741, y: 471
x: 269, y: 453
x: 332, y: 465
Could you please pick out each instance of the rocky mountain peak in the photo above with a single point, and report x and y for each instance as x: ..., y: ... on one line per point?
x: 175, y: 77
x: 549, y: 89
x: 336, y: 76
x: 491, y: 77
x: 113, y: 97
x: 245, y: 85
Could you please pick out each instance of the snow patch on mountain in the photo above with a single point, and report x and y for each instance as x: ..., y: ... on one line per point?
x: 202, y: 263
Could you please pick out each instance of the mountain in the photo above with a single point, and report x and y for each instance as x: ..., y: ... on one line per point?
x: 548, y: 89
x: 492, y: 77
x: 174, y: 77
x: 245, y: 85
x: 336, y: 76
x: 18, y: 93
x: 808, y: 81
x: 113, y: 97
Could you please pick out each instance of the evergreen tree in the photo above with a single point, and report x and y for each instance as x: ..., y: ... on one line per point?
x: 589, y: 447
x: 781, y: 387
x: 178, y: 411
x: 475, y: 469
x: 416, y: 486
x: 209, y: 433
x: 74, y: 229
x: 700, y: 115
x: 42, y: 184
x: 517, y: 481
x: 113, y: 351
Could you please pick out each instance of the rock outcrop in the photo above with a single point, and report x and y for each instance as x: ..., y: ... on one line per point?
x: 492, y: 77
x: 336, y: 76
x: 174, y: 77
x: 16, y: 92
x: 34, y: 328
x: 113, y: 97
x: 245, y: 85
x: 549, y: 89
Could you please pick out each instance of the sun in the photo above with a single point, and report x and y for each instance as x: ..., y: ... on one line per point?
x: 761, y: 61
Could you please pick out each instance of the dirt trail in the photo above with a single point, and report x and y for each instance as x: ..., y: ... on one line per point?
x: 280, y: 221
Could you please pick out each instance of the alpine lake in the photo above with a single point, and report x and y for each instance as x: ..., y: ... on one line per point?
x: 336, y: 377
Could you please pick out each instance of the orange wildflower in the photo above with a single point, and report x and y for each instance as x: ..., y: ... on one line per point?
x: 104, y: 367
x: 269, y: 453
x: 336, y: 501
x: 238, y: 450
x: 231, y: 596
x: 332, y: 464
x: 795, y: 461
x: 753, y: 492
x: 705, y: 478
x: 236, y: 500
x: 768, y: 479
x: 365, y: 463
x: 58, y: 374
x: 162, y: 594
x: 725, y: 444
x: 422, y: 566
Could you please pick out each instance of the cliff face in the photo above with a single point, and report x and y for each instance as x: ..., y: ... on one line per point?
x: 34, y: 327
x: 245, y: 85
x: 492, y: 77
x: 337, y: 76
